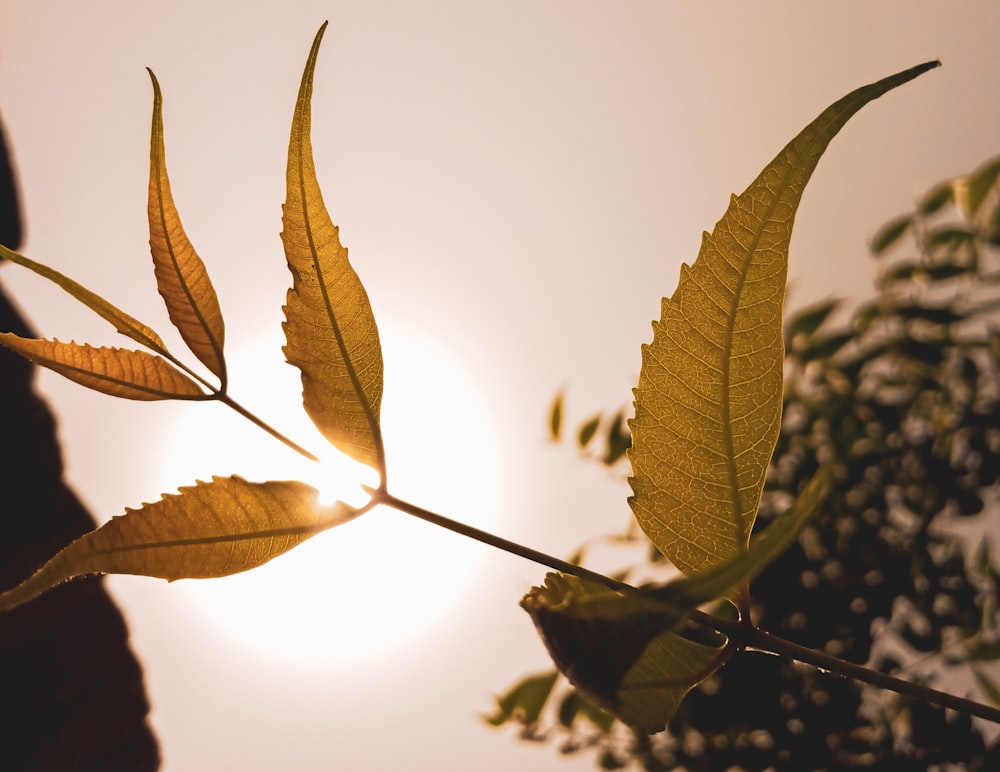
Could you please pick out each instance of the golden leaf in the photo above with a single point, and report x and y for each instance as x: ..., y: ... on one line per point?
x: 208, y: 530
x: 118, y: 372
x: 708, y: 402
x: 329, y: 325
x: 619, y: 650
x: 181, y: 277
x: 123, y: 323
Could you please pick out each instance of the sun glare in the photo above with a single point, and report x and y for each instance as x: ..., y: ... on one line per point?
x: 369, y: 586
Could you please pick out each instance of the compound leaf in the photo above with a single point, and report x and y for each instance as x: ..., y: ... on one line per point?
x: 708, y: 402
x: 329, y: 325
x: 208, y: 530
x: 181, y: 277
x: 619, y: 650
x: 118, y: 372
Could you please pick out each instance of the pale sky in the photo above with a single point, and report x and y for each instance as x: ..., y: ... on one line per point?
x: 518, y: 184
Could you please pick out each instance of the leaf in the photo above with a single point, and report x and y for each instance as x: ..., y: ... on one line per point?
x: 978, y: 186
x: 125, y: 324
x: 936, y: 198
x: 209, y: 530
x: 808, y: 320
x: 587, y: 431
x: 555, y: 417
x: 708, y: 402
x: 525, y: 701
x: 619, y: 439
x: 118, y: 372
x: 180, y: 274
x: 331, y: 332
x: 618, y: 650
x: 764, y: 549
x: 890, y: 233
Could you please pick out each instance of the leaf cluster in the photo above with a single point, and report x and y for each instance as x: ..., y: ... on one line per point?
x: 702, y: 443
x: 903, y: 403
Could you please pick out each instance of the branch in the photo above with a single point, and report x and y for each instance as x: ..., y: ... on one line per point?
x: 742, y: 633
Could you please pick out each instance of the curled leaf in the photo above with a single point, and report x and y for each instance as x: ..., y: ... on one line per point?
x: 119, y: 372
x: 208, y: 530
x: 125, y: 324
x: 181, y: 277
x: 708, y: 402
x: 329, y: 325
x: 618, y: 649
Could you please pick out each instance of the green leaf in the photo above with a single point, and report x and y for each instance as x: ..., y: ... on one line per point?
x: 936, y: 197
x: 978, y: 186
x: 125, y: 324
x: 181, y: 277
x: 951, y: 238
x: 708, y: 402
x: 890, y: 233
x: 118, y: 372
x: 525, y: 701
x: 618, y: 649
x: 208, y: 530
x: 329, y: 325
x: 808, y: 320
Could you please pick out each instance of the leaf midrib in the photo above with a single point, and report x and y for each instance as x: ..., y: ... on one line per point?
x: 727, y: 431
x: 373, y: 427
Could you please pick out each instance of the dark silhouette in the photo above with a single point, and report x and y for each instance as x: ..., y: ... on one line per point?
x: 71, y: 690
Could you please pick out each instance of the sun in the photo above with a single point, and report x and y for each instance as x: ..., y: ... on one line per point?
x: 368, y: 587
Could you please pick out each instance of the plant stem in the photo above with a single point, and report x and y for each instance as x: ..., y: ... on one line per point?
x: 229, y: 401
x: 742, y: 633
x: 384, y: 497
x: 757, y: 639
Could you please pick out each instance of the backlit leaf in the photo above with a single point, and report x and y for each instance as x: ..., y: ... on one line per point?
x: 118, y: 372
x: 125, y: 324
x: 619, y: 650
x: 208, y: 530
x: 180, y: 274
x: 708, y: 402
x: 331, y: 332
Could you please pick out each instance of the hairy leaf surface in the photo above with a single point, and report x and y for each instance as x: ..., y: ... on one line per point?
x: 708, y: 401
x: 209, y: 530
x: 329, y: 325
x: 180, y: 274
x: 118, y: 372
x: 125, y: 324
x: 619, y: 650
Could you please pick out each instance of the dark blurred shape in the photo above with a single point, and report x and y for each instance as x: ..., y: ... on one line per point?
x: 71, y: 690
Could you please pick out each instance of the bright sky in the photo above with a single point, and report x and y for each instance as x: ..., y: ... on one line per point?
x: 518, y: 184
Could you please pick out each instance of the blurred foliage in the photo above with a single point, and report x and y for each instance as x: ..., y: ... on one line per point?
x: 898, y: 571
